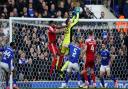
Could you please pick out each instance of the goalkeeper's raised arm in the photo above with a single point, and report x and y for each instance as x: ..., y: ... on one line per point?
x: 75, y: 17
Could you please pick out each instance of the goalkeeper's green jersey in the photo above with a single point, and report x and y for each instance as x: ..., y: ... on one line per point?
x: 67, y: 35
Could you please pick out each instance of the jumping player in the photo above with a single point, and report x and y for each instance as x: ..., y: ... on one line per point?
x: 7, y: 62
x: 106, y: 61
x: 52, y: 31
x: 67, y: 37
x: 89, y: 54
x: 74, y: 54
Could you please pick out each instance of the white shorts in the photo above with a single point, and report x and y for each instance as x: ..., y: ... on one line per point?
x: 5, y: 66
x: 104, y: 68
x: 73, y: 66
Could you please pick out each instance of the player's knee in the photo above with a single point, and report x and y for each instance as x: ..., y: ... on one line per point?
x: 54, y: 55
x: 92, y: 71
x: 83, y: 71
x: 108, y: 73
x: 101, y: 73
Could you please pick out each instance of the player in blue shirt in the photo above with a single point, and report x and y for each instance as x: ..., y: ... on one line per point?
x: 7, y: 61
x: 106, y: 61
x: 74, y: 53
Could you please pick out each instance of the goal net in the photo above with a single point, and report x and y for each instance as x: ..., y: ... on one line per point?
x: 33, y: 59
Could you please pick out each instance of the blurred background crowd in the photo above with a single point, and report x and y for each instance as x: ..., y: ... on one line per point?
x: 33, y: 58
x: 56, y: 8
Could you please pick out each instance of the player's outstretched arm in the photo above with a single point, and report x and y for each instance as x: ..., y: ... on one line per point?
x: 60, y: 29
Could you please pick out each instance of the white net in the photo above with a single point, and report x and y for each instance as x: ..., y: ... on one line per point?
x: 33, y: 59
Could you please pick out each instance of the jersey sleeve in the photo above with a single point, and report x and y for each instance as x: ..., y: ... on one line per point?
x: 75, y: 19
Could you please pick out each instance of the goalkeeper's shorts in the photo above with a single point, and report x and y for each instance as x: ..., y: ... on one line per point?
x: 64, y: 47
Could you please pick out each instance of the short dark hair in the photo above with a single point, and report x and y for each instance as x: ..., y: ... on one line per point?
x: 51, y: 22
x: 12, y: 44
x: 90, y: 32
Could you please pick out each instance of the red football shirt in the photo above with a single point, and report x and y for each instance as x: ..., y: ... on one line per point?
x: 51, y: 34
x: 91, y: 48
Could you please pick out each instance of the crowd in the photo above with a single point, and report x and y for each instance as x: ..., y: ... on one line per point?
x: 55, y: 8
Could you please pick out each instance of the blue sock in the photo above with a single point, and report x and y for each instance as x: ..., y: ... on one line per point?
x: 14, y: 81
x: 67, y: 77
x: 78, y: 76
x: 82, y: 78
x: 89, y: 79
x: 113, y: 78
x: 102, y: 81
x: 7, y: 83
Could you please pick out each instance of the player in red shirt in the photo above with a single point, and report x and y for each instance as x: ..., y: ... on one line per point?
x: 52, y: 30
x: 89, y: 53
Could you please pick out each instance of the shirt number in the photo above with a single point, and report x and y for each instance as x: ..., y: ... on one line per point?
x: 92, y: 48
x: 7, y: 54
x: 74, y: 52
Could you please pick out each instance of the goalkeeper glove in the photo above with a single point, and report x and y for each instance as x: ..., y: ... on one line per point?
x: 77, y: 9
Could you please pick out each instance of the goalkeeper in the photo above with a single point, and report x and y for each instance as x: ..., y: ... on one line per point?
x: 67, y: 37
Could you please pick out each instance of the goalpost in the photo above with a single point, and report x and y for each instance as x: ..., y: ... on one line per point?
x: 30, y: 35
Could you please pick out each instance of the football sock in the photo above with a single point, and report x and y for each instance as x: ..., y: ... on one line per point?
x: 67, y: 77
x: 89, y: 79
x: 102, y: 81
x: 82, y: 78
x: 65, y: 66
x: 7, y: 83
x: 85, y: 76
x: 113, y: 78
x: 60, y: 61
x: 53, y: 65
x: 93, y: 77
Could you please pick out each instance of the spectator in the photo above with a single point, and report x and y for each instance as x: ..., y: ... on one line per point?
x: 25, y: 13
x: 30, y: 10
x: 5, y: 12
x: 15, y: 13
x: 22, y: 59
x: 20, y: 5
x: 125, y: 10
x: 61, y: 7
x: 52, y: 11
x: 102, y: 15
x: 59, y: 14
x: 66, y: 15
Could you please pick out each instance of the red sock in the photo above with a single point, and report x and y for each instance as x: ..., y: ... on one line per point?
x: 93, y: 77
x: 60, y: 61
x: 85, y: 76
x: 53, y: 65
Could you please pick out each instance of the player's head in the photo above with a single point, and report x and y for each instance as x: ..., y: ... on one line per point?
x: 103, y: 46
x: 77, y: 40
x: 13, y: 45
x: 68, y: 21
x: 51, y: 23
x: 90, y: 33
